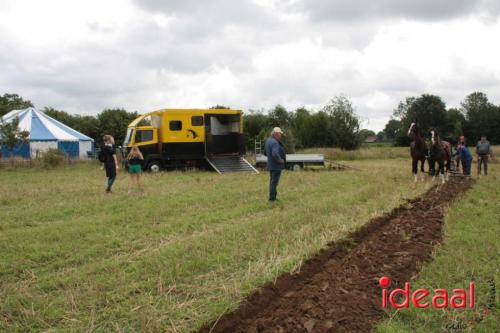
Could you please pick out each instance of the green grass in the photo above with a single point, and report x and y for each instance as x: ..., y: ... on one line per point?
x: 364, y: 153
x: 471, y: 252
x: 189, y: 249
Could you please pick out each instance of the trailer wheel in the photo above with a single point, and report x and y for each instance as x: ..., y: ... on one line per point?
x: 296, y: 167
x: 154, y: 166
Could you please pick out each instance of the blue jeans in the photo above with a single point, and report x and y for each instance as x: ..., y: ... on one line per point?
x: 273, y: 183
x: 111, y: 180
x: 466, y: 165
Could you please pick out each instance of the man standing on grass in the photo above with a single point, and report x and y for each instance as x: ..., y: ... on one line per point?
x: 276, y: 159
x: 483, y: 149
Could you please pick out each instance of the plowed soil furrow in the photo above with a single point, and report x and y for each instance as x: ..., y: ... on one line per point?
x: 337, y: 290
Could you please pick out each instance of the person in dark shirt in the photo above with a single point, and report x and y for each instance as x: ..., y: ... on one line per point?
x: 483, y: 151
x: 135, y: 160
x: 110, y: 163
x: 276, y: 159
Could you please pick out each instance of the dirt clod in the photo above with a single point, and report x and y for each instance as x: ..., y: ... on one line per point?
x: 337, y: 290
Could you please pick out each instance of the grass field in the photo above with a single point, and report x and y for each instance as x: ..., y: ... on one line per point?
x: 186, y: 251
x: 471, y: 252
x: 364, y: 153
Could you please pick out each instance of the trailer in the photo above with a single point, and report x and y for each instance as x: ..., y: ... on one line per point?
x: 178, y: 138
x: 294, y: 162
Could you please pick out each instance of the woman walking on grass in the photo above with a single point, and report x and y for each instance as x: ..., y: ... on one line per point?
x: 110, y: 161
x: 135, y: 160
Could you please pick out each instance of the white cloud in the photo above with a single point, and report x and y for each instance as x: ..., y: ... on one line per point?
x: 426, y: 10
x: 83, y: 56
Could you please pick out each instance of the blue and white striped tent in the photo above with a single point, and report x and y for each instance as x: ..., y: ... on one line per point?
x: 45, y: 133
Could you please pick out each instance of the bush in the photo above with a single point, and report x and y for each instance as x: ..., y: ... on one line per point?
x: 52, y: 158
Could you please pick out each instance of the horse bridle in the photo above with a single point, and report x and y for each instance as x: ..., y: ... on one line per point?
x: 433, y: 137
x: 411, y: 128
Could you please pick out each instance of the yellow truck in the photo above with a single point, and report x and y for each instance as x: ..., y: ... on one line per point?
x: 177, y: 138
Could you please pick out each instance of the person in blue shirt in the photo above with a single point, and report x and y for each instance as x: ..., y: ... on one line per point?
x: 276, y: 159
x: 465, y: 157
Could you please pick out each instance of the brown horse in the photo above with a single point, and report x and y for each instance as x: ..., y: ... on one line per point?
x: 440, y: 152
x: 418, y: 150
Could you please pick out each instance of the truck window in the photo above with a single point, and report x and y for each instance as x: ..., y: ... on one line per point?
x: 197, y: 121
x: 143, y: 136
x: 128, y: 137
x: 175, y: 125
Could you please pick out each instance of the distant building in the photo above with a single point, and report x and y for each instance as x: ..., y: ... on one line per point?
x: 371, y: 139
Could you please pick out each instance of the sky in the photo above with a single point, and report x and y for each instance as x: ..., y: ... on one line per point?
x: 143, y: 55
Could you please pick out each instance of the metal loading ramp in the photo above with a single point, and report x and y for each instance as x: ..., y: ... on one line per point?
x: 230, y: 163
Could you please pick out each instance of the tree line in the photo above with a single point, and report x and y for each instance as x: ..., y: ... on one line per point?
x: 475, y: 117
x: 109, y: 121
x: 334, y: 125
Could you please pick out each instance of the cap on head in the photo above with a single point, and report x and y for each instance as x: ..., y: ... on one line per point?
x: 277, y: 130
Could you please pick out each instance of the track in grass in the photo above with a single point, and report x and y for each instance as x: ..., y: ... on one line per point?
x: 337, y: 290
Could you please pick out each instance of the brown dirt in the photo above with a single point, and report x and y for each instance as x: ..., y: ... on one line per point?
x: 337, y: 290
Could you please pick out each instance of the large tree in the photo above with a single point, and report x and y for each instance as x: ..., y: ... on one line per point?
x: 280, y: 117
x: 256, y: 126
x: 311, y: 129
x: 9, y: 102
x: 62, y: 116
x: 318, y: 130
x: 254, y: 122
x: 302, y: 118
x: 365, y: 133
x: 456, y: 123
x: 344, y: 123
x: 483, y: 118
x: 115, y: 123
x: 88, y: 125
x: 392, y: 128
x: 428, y: 111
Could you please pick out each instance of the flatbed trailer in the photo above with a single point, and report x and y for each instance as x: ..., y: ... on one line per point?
x: 294, y: 161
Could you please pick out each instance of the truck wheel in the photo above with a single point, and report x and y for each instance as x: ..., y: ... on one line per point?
x: 296, y: 167
x: 154, y: 166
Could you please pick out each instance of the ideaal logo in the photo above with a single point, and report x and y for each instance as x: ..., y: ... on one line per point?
x: 422, y: 298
